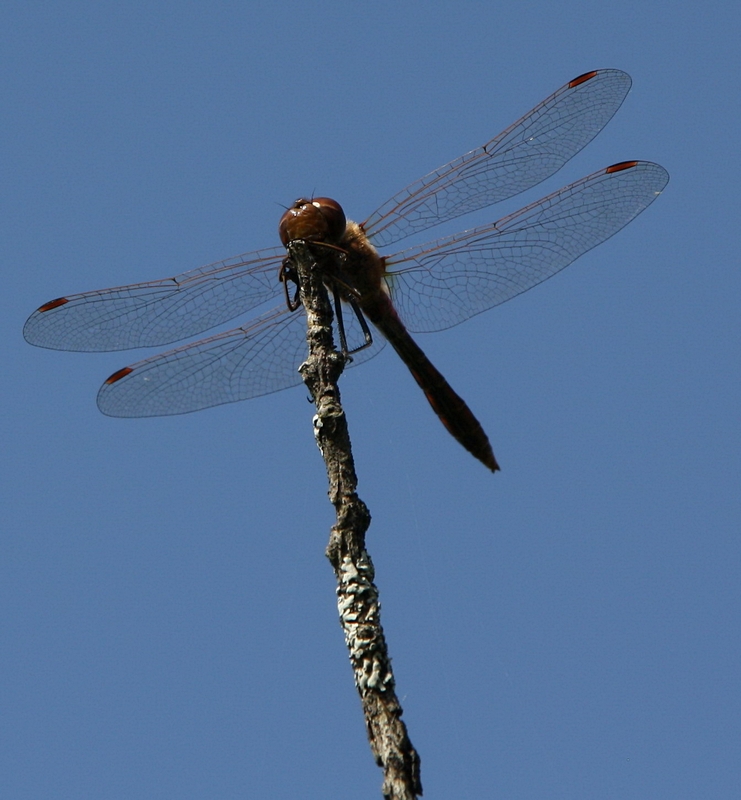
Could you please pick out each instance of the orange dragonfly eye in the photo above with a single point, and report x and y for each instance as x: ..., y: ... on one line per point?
x: 318, y: 220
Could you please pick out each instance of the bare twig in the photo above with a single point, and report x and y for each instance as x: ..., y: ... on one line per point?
x: 357, y: 595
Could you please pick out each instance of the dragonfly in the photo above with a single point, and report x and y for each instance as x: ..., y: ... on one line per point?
x: 423, y: 288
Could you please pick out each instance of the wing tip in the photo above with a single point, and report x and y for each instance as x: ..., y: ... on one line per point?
x: 661, y: 174
x: 583, y: 78
x: 620, y: 166
x: 588, y: 76
x: 32, y: 333
x: 121, y: 373
x: 60, y: 301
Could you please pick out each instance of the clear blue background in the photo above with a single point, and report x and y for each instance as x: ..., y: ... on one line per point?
x: 567, y: 628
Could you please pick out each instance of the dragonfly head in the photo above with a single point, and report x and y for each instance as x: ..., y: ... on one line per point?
x: 320, y: 219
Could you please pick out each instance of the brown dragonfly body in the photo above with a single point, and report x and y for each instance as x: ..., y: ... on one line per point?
x: 360, y: 277
x: 424, y: 288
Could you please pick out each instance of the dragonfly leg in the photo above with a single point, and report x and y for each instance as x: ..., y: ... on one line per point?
x: 287, y: 273
x: 364, y: 325
x: 341, y: 324
x: 340, y: 320
x: 351, y: 296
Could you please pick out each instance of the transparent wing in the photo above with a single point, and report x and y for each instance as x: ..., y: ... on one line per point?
x: 157, y: 312
x: 165, y: 311
x: 439, y: 284
x: 522, y: 156
x: 257, y: 359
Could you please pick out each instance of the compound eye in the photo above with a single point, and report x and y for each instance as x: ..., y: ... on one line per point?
x: 334, y: 217
x: 318, y: 220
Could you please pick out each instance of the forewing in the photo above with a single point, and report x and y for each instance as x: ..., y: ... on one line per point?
x: 257, y: 359
x: 522, y: 156
x: 157, y: 312
x: 443, y: 283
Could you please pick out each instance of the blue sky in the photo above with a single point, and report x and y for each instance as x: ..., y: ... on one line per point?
x: 565, y: 628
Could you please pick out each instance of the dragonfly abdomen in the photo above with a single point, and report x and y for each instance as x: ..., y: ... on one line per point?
x: 452, y: 410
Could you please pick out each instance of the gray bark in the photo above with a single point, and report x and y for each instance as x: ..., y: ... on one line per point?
x: 357, y: 595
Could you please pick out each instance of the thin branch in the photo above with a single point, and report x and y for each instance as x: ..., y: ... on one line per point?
x: 357, y: 595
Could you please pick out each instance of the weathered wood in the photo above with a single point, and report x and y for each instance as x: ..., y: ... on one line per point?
x: 357, y: 595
